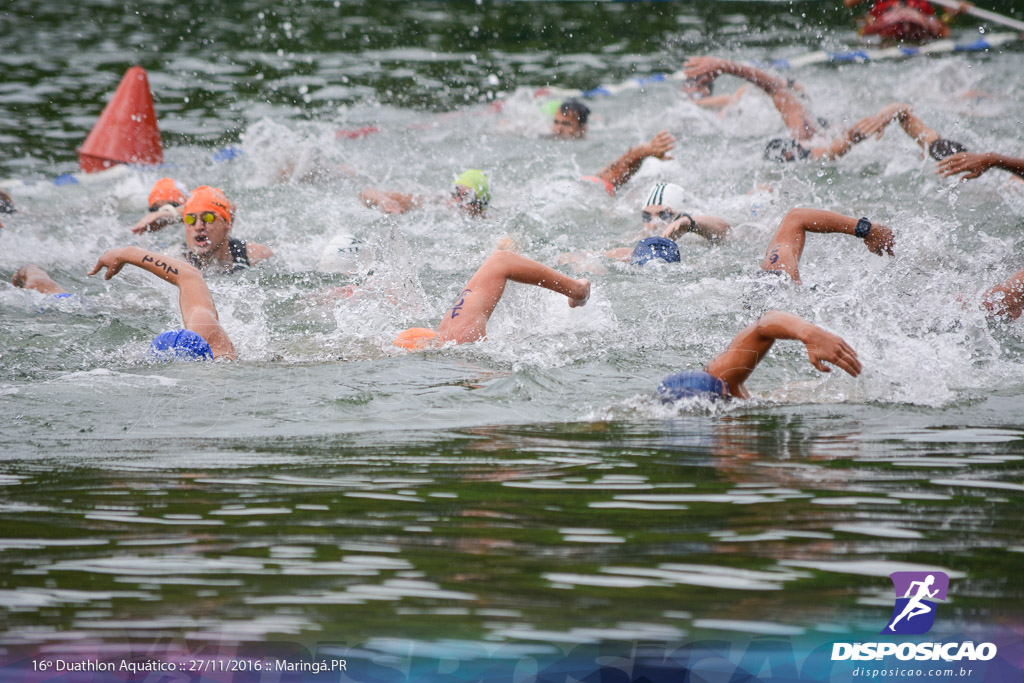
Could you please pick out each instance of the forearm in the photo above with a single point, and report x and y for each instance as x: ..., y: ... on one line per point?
x: 820, y: 220
x: 710, y: 228
x: 164, y: 267
x: 625, y: 167
x: 781, y: 325
x: 1007, y: 163
x: 761, y: 79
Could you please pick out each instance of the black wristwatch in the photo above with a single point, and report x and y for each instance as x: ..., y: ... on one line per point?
x: 863, y: 228
x: 693, y: 223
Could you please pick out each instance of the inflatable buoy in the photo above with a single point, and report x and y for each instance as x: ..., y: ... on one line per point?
x: 126, y: 132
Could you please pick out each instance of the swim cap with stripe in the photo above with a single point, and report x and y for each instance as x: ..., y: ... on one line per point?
x: 667, y: 194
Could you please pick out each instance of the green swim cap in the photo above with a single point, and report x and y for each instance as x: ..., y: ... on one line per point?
x: 476, y: 180
x: 550, y: 107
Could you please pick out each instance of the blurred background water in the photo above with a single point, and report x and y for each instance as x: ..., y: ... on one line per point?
x: 528, y: 487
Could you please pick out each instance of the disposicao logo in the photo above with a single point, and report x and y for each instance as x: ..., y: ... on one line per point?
x: 914, y: 612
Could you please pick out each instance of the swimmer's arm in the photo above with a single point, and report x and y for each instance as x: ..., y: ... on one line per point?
x: 699, y: 66
x: 620, y: 254
x: 258, y: 252
x: 973, y: 165
x: 709, y: 227
x: 625, y: 167
x: 720, y: 101
x: 390, y: 202
x: 736, y: 364
x: 1006, y: 299
x: 158, y: 220
x: 198, y: 311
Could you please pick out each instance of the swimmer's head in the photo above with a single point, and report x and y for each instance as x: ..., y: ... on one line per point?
x: 205, y: 198
x: 415, y: 338
x: 570, y: 120
x: 181, y: 345
x: 941, y: 148
x: 692, y: 384
x: 651, y: 248
x: 700, y: 87
x: 6, y: 203
x: 473, y: 191
x: 345, y: 254
x: 783, y: 149
x: 669, y: 195
x: 166, y: 191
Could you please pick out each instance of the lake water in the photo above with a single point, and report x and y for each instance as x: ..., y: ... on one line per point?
x: 527, y: 489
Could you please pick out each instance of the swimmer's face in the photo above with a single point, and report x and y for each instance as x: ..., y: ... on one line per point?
x: 205, y: 238
x: 698, y: 88
x: 655, y: 218
x: 465, y: 199
x: 567, y: 126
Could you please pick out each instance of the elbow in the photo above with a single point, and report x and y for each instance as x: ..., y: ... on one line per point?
x: 800, y: 216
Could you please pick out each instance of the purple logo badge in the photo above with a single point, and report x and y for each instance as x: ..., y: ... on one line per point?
x: 914, y: 612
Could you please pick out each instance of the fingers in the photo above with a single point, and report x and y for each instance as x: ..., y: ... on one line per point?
x: 96, y: 268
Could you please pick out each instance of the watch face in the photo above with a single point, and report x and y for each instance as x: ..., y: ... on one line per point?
x: 863, y: 228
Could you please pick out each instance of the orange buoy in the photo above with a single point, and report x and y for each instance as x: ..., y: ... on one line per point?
x: 126, y: 131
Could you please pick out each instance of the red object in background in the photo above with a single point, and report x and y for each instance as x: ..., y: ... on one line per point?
x: 355, y: 133
x: 126, y: 132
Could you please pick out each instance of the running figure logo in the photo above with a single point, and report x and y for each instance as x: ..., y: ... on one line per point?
x: 914, y: 612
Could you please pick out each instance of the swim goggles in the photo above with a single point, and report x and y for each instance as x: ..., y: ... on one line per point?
x: 666, y: 215
x: 205, y: 216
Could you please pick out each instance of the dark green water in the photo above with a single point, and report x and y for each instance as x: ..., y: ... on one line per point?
x: 527, y: 488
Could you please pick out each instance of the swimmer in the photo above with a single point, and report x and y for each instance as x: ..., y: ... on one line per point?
x: 166, y: 200
x: 203, y: 336
x: 208, y: 216
x: 724, y: 376
x: 33, y: 277
x: 809, y: 139
x: 471, y: 192
x: 918, y: 23
x: 466, y: 321
x: 787, y: 244
x: 570, y: 121
x: 616, y: 174
x: 973, y: 165
x: 666, y: 217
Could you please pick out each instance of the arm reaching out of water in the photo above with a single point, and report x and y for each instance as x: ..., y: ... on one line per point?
x: 198, y: 312
x: 163, y: 217
x: 711, y: 228
x: 625, y: 167
x: 388, y: 201
x: 787, y: 244
x: 736, y: 364
x: 973, y: 165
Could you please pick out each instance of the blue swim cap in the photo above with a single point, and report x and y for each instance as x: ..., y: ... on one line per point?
x: 692, y: 384
x: 62, y: 295
x: 181, y: 345
x: 651, y: 248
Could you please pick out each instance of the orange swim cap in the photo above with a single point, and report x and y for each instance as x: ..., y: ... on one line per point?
x: 415, y: 338
x: 206, y: 198
x: 167, y: 190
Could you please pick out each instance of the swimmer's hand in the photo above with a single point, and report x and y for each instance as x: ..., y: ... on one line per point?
x: 581, y: 296
x: 113, y: 260
x: 697, y: 67
x: 973, y: 165
x: 825, y: 347
x: 157, y: 220
x: 660, y: 146
x: 880, y: 240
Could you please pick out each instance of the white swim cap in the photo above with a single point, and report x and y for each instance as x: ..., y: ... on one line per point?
x: 345, y: 254
x: 667, y: 194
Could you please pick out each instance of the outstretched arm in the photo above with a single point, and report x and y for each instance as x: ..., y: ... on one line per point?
x: 736, y: 364
x: 159, y: 219
x: 973, y: 165
x: 711, y: 228
x: 198, y: 312
x: 794, y: 114
x: 389, y: 202
x: 860, y: 131
x: 625, y: 167
x: 787, y: 244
